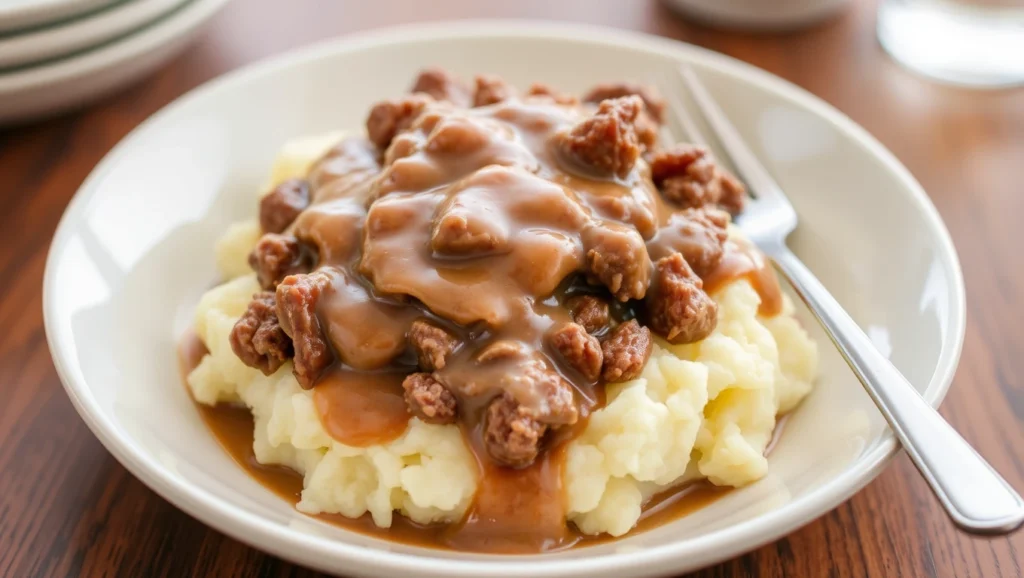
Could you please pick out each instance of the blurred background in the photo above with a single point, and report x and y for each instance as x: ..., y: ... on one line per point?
x: 936, y: 81
x: 57, y: 55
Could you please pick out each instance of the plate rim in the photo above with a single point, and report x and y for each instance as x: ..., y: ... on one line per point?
x: 40, y: 14
x: 327, y: 554
x: 40, y: 47
x: 181, y: 19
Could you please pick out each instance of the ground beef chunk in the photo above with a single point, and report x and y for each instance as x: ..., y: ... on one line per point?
x: 580, y: 350
x: 647, y: 131
x: 441, y: 85
x: 733, y: 194
x: 432, y: 344
x: 279, y: 207
x: 278, y: 256
x: 648, y: 122
x: 700, y: 235
x: 511, y: 436
x: 589, y: 311
x: 708, y: 230
x: 546, y: 396
x: 390, y: 117
x: 297, y: 297
x: 541, y: 89
x: 677, y: 160
x: 616, y: 257
x: 429, y: 400
x: 688, y: 176
x: 551, y: 397
x: 677, y: 306
x: 626, y: 350
x: 257, y: 338
x: 463, y: 233
x: 491, y: 89
x: 605, y: 143
x: 654, y: 104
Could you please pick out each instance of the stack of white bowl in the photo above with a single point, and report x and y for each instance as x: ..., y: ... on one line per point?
x: 59, y: 54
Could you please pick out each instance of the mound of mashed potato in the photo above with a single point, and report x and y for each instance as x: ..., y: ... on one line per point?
x: 701, y: 410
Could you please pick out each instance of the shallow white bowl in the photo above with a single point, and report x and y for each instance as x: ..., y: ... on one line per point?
x: 133, y: 254
x: 58, y: 85
x: 18, y: 15
x: 66, y: 38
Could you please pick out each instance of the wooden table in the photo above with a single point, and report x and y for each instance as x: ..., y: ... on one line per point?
x: 67, y: 508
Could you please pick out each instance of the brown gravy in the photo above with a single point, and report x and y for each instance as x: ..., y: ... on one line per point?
x: 504, y: 518
x: 471, y: 219
x: 742, y: 260
x: 361, y: 409
x: 515, y: 511
x: 495, y: 524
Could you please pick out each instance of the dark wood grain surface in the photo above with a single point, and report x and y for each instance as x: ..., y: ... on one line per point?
x: 67, y: 508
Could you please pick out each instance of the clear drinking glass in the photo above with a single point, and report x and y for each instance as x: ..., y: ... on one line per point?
x: 970, y: 42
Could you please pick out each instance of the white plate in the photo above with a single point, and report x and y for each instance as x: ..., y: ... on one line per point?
x: 74, y: 81
x: 20, y: 14
x: 87, y: 32
x: 134, y: 252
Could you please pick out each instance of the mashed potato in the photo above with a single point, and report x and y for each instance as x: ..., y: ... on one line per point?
x: 702, y: 410
x: 427, y: 474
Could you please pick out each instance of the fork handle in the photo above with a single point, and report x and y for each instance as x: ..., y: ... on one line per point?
x: 974, y: 495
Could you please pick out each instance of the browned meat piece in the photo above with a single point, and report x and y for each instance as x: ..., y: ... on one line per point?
x: 699, y: 234
x: 606, y: 143
x: 648, y: 122
x: 647, y: 131
x: 278, y: 256
x: 541, y: 89
x: 688, y: 176
x: 617, y: 258
x: 279, y: 207
x: 626, y: 351
x: 733, y: 195
x: 677, y: 160
x: 511, y: 436
x: 257, y: 338
x: 429, y: 400
x: 390, y: 117
x: 441, y: 85
x: 467, y: 233
x: 297, y: 297
x: 491, y: 89
x: 545, y: 395
x: 432, y: 344
x: 654, y: 104
x: 580, y: 350
x: 683, y: 174
x: 677, y: 306
x: 589, y: 311
x: 707, y: 230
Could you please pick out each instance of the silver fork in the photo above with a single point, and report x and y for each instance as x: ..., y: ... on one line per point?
x: 974, y: 495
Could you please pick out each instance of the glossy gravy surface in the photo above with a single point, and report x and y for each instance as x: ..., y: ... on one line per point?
x: 742, y: 260
x: 522, y: 212
x: 382, y: 226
